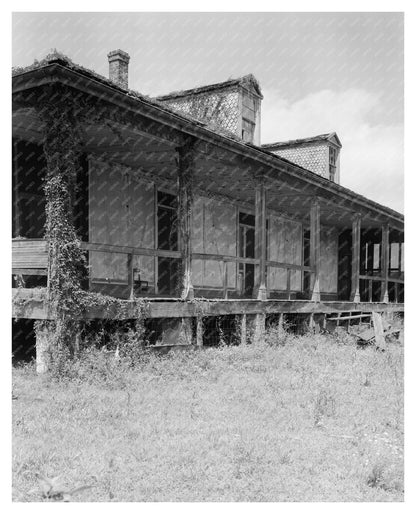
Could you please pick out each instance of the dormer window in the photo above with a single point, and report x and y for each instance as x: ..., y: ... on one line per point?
x: 319, y: 154
x: 332, y: 163
x: 247, y: 134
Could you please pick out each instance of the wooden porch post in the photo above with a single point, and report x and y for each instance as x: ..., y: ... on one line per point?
x: 185, y: 201
x: 315, y: 250
x: 17, y: 218
x: 356, y: 249
x: 260, y: 290
x: 385, y: 263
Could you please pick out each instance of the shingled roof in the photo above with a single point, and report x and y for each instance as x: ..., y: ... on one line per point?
x: 249, y: 81
x: 296, y: 142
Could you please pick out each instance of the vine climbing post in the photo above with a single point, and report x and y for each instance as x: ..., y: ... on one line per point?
x: 62, y: 149
x: 186, y: 164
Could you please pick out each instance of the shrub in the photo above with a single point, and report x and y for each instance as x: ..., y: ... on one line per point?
x: 278, y: 334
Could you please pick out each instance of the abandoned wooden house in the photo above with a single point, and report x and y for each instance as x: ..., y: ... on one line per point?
x: 176, y: 200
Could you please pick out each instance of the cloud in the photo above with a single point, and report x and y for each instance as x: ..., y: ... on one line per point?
x: 372, y: 153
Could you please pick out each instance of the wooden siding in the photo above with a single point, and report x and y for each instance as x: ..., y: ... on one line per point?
x: 285, y: 246
x: 121, y: 213
x: 214, y: 231
x: 329, y: 260
x: 29, y: 254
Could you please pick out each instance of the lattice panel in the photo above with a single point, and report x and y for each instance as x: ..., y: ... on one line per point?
x: 313, y: 158
x: 217, y: 108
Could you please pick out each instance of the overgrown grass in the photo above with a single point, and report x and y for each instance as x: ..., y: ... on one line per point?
x: 311, y: 420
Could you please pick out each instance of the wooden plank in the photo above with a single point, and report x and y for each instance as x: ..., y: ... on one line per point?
x: 30, y: 271
x: 243, y: 329
x: 355, y: 316
x: 378, y: 330
x: 106, y: 248
x: 35, y: 307
x: 221, y: 257
x: 378, y: 278
x: 315, y: 245
x: 356, y: 250
x: 199, y: 331
x: 285, y: 265
x: 260, y: 239
x: 385, y: 263
x: 185, y: 173
x: 225, y: 286
x: 130, y: 277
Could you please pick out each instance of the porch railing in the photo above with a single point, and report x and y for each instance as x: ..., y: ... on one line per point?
x: 30, y: 257
x: 367, y: 285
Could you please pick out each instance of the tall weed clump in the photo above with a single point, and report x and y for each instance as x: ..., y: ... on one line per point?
x: 107, y: 352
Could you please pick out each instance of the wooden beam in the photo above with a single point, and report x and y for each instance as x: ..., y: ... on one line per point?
x: 199, y: 331
x: 243, y: 329
x: 186, y: 158
x: 130, y: 277
x: 260, y: 290
x: 32, y: 304
x: 385, y: 263
x: 315, y: 238
x: 16, y: 193
x: 355, y: 272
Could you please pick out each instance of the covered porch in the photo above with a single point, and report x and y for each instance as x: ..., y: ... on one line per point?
x: 165, y: 208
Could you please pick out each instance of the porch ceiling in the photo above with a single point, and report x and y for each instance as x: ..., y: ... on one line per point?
x: 217, y: 169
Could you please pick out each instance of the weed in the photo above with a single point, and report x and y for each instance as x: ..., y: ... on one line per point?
x: 225, y: 424
x: 324, y: 406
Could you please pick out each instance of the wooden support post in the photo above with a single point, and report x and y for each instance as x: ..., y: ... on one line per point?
x: 185, y: 201
x: 243, y: 329
x: 185, y: 336
x: 315, y: 250
x: 355, y: 271
x: 17, y: 215
x: 259, y: 328
x: 260, y: 290
x: 43, y: 342
x: 199, y: 331
x: 225, y: 280
x: 130, y: 278
x: 311, y: 323
x: 379, y: 330
x: 338, y: 318
x: 385, y: 263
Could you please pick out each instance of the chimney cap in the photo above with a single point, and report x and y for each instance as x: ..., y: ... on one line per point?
x: 116, y: 55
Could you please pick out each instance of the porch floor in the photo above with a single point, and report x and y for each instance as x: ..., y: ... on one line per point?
x: 32, y: 304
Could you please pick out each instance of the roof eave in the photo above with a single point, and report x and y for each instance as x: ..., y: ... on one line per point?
x: 55, y: 72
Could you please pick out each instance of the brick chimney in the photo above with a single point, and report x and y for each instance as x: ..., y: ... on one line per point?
x: 118, y: 62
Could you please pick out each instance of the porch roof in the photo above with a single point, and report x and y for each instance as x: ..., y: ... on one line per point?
x: 229, y: 159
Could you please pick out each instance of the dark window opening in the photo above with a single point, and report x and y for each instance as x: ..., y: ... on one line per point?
x: 332, y: 163
x: 167, y: 239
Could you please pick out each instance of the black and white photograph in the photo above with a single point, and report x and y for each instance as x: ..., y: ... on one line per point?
x: 207, y: 251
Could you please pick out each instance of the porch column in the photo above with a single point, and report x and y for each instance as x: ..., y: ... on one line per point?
x: 315, y: 217
x: 355, y: 272
x: 385, y: 263
x: 185, y: 200
x: 260, y: 290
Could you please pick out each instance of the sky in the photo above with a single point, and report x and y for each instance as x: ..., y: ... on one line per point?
x: 319, y: 72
